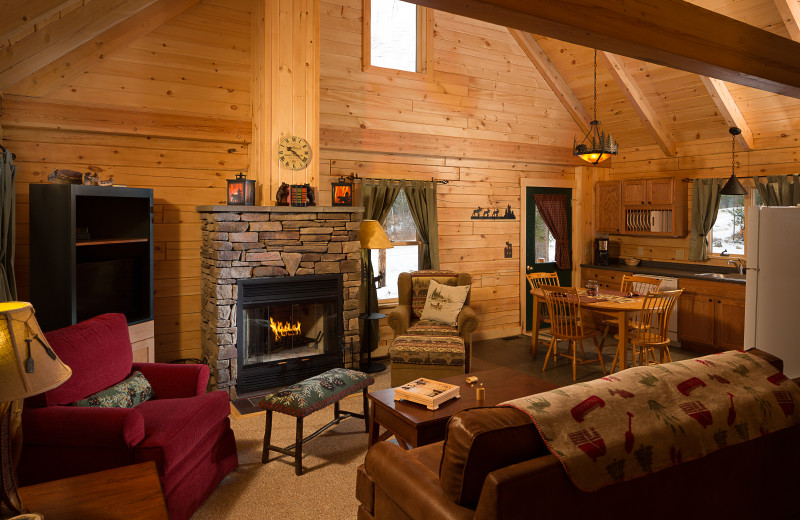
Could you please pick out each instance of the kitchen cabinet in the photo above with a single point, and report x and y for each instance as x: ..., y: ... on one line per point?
x: 608, y: 207
x: 711, y: 315
x: 642, y: 207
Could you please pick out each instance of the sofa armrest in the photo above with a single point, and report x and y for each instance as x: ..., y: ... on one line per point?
x: 399, y: 319
x: 409, y: 484
x: 174, y: 381
x: 467, y: 321
x: 72, y: 426
x: 502, y: 489
x: 775, y: 361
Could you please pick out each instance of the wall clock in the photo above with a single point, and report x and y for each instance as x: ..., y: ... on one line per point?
x: 294, y: 152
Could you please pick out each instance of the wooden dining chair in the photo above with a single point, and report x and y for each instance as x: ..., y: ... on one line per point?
x: 566, y: 324
x: 635, y: 284
x: 651, y: 328
x: 536, y: 280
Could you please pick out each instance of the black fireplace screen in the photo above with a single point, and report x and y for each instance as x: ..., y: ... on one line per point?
x: 289, y: 329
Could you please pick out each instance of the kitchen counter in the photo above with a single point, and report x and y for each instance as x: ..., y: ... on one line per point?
x: 699, y: 272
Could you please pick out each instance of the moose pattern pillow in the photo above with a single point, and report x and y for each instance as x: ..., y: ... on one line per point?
x: 444, y: 302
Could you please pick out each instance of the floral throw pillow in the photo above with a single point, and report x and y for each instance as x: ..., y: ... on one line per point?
x: 125, y: 394
x: 444, y: 302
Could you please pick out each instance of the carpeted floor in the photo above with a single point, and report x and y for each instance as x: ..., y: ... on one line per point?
x: 327, y: 487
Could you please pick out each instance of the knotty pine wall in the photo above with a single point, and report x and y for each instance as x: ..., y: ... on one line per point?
x: 170, y: 112
x: 485, y: 120
x: 772, y: 155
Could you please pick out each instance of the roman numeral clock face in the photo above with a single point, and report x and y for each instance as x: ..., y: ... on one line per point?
x: 294, y: 152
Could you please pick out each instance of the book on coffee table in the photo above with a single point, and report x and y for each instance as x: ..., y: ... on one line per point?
x: 427, y: 392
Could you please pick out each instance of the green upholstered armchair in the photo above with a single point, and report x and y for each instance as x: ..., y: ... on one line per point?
x: 412, y: 291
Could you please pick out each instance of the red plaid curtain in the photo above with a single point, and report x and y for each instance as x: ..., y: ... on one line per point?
x: 553, y: 208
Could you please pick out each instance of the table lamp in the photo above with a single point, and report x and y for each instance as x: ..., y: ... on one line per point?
x: 28, y: 366
x: 372, y: 236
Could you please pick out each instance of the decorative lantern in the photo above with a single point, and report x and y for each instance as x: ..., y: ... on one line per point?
x: 298, y: 196
x: 342, y: 193
x: 241, y: 191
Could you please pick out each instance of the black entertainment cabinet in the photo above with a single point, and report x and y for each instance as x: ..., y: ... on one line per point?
x: 91, y: 253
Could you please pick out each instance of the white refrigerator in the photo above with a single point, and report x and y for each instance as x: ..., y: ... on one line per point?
x: 772, y: 304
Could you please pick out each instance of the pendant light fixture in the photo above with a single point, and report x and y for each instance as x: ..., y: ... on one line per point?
x: 733, y: 186
x: 596, y: 146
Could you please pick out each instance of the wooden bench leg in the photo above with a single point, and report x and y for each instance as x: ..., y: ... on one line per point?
x: 298, y: 448
x: 336, y: 410
x: 267, y: 438
x: 366, y: 411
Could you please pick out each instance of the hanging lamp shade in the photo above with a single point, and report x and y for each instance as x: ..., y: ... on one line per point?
x: 733, y: 186
x: 596, y: 146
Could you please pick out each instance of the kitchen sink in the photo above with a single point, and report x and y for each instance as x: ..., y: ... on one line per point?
x: 724, y: 276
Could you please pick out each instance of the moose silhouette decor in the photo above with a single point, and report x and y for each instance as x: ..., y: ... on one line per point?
x: 480, y: 213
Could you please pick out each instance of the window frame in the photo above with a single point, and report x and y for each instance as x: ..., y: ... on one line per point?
x: 424, y: 45
x: 749, y: 200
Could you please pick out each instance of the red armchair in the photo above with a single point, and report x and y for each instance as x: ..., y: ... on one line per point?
x: 184, y: 430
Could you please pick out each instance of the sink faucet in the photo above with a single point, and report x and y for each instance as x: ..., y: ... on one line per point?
x: 737, y: 262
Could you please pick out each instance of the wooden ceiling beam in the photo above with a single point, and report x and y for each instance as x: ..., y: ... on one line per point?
x: 729, y: 110
x: 22, y: 18
x: 76, y: 62
x: 790, y: 12
x: 641, y: 105
x: 673, y: 33
x: 558, y: 85
x: 39, y: 48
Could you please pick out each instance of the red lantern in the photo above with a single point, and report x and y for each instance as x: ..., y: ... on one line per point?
x: 241, y: 191
x: 342, y: 193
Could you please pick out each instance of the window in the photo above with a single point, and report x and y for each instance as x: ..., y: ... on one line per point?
x: 544, y: 242
x: 396, y: 36
x: 727, y: 235
x: 404, y: 256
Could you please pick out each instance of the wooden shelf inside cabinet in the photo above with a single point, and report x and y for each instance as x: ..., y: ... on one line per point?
x: 110, y: 241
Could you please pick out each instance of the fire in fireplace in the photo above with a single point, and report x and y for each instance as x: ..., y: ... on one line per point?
x: 289, y: 329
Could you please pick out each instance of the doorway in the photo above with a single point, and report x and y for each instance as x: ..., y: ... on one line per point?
x: 540, y: 244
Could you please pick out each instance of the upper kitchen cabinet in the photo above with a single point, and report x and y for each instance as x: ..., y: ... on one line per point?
x: 647, y: 207
x: 608, y: 207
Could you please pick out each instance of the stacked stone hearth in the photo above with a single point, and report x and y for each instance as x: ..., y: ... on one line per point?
x: 261, y: 241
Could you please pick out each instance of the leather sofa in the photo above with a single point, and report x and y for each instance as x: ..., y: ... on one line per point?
x: 185, y: 430
x: 494, y: 465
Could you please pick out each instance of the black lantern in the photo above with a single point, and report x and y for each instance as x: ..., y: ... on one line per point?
x: 342, y: 193
x: 241, y: 191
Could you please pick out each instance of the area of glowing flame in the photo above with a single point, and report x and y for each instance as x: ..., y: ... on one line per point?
x: 281, y: 329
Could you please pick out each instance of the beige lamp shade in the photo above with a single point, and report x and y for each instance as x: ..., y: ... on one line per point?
x: 372, y: 236
x: 28, y: 366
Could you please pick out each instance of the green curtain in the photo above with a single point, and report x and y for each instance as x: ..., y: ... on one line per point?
x: 705, y: 204
x: 377, y: 197
x: 779, y: 190
x: 8, y: 231
x: 421, y: 197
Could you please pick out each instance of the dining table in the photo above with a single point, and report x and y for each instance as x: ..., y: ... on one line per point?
x: 615, y: 303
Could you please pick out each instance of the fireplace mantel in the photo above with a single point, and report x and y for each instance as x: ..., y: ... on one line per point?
x: 241, y: 242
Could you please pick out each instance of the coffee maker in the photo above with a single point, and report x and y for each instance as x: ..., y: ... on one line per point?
x: 601, y: 251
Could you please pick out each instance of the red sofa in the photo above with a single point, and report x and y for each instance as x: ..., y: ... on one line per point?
x: 185, y: 430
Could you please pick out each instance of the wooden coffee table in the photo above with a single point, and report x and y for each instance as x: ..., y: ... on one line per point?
x: 125, y: 493
x: 414, y: 425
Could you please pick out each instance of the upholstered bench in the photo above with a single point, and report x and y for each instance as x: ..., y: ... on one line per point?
x: 433, y: 357
x: 308, y: 396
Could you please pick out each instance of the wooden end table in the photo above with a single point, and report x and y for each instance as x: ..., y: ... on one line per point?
x: 414, y: 425
x: 124, y: 493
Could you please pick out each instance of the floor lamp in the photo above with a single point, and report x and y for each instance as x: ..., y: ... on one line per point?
x: 372, y: 236
x: 28, y: 366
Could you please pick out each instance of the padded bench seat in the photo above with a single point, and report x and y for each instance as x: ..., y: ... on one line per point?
x: 433, y: 357
x: 308, y: 396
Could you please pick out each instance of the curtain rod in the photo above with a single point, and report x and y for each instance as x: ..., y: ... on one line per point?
x: 354, y: 176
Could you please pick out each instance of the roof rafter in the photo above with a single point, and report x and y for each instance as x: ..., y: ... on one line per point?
x: 639, y: 101
x: 673, y: 33
x: 729, y: 110
x: 557, y: 84
x: 71, y: 65
x: 790, y: 12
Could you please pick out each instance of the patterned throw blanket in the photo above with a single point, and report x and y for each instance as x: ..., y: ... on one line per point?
x: 645, y: 419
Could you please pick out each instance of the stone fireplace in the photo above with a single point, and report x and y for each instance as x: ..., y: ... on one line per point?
x: 312, y: 255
